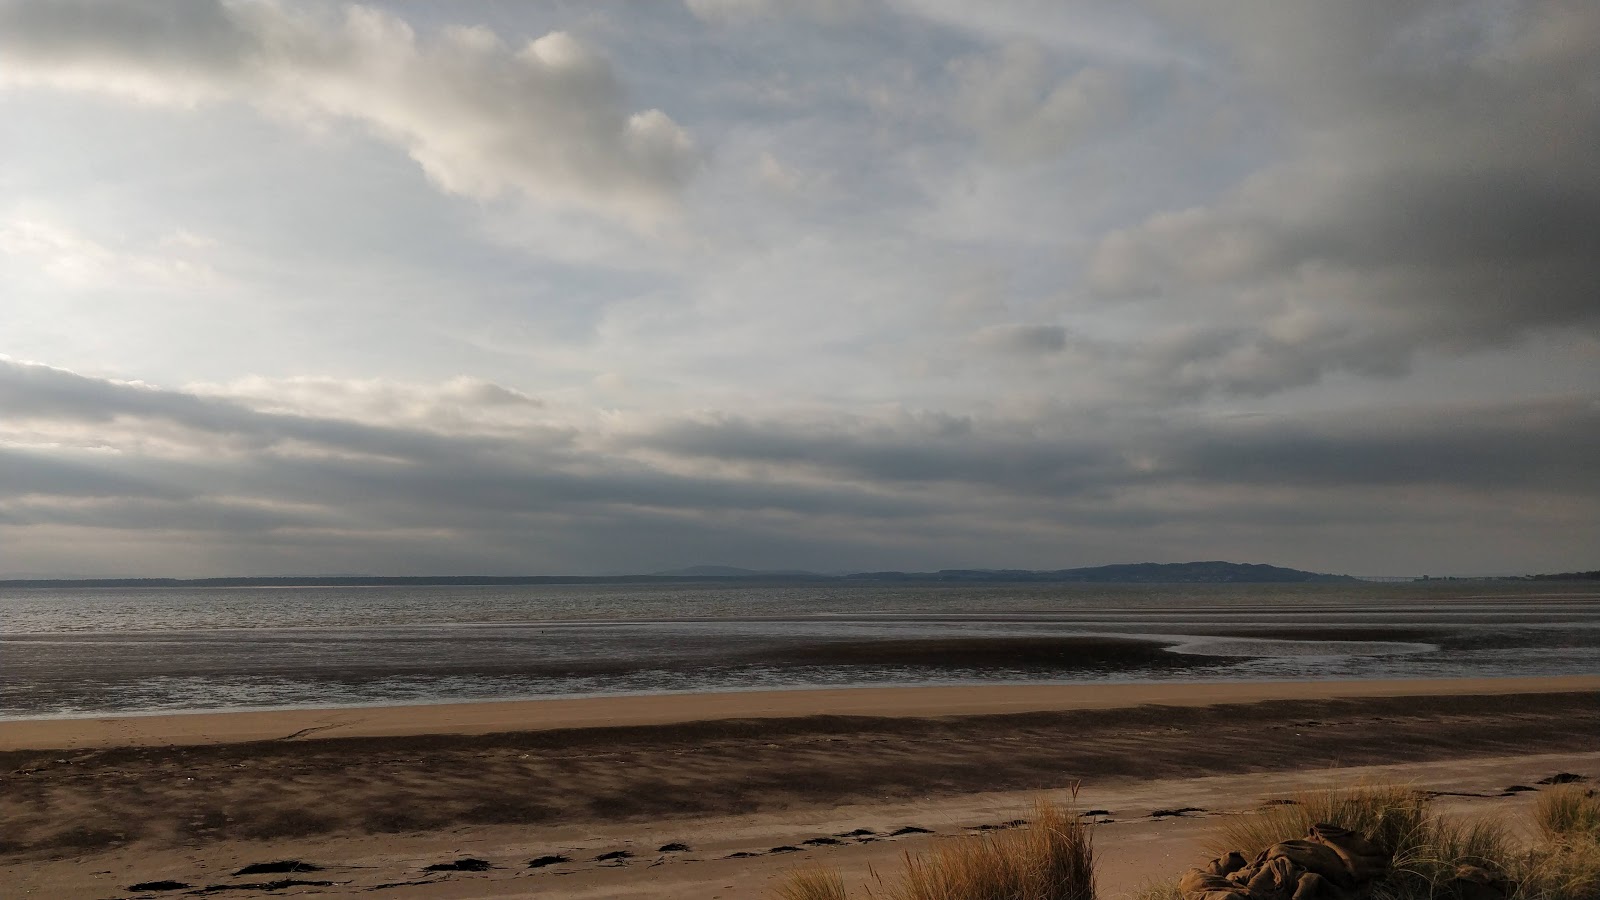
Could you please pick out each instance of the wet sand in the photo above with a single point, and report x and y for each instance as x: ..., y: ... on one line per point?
x: 735, y: 778
x: 595, y: 712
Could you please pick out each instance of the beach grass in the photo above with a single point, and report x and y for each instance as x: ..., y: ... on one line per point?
x: 1051, y: 858
x: 1392, y: 816
x: 1567, y: 813
x: 1430, y: 850
x: 813, y: 884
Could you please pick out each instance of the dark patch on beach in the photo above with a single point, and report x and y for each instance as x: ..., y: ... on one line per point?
x: 909, y: 829
x: 280, y: 867
x: 262, y: 886
x: 858, y: 833
x: 1283, y: 801
x: 1170, y: 813
x: 784, y: 849
x: 822, y: 842
x: 614, y: 854
x: 742, y: 854
x: 1096, y: 812
x: 673, y: 848
x: 1517, y: 789
x: 158, y: 886
x: 395, y: 884
x: 466, y: 864
x: 542, y: 861
x: 1563, y: 778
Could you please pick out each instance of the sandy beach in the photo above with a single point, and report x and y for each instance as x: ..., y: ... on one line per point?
x: 750, y: 785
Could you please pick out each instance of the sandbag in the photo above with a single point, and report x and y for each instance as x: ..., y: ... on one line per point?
x: 1227, y: 865
x: 1365, y: 860
x: 1200, y: 881
x: 1312, y: 856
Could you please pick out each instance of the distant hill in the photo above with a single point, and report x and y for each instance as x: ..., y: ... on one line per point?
x: 1211, y: 572
x: 1569, y: 576
x: 1134, y: 573
x: 733, y: 572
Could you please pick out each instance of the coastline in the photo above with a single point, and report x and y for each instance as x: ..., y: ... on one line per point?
x: 509, y: 716
x: 718, y: 796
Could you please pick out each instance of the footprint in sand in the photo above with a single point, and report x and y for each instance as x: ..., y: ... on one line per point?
x: 543, y: 861
x: 616, y: 856
x: 673, y: 848
x: 821, y: 842
x: 858, y: 833
x: 909, y: 829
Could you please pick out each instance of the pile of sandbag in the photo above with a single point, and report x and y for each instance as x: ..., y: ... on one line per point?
x: 1331, y: 863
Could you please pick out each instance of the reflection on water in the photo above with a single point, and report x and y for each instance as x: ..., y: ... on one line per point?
x: 85, y: 652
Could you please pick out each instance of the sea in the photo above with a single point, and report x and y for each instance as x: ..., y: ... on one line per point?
x: 75, y: 652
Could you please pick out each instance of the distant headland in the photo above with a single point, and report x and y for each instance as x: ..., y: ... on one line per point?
x: 1210, y: 572
x: 1207, y: 572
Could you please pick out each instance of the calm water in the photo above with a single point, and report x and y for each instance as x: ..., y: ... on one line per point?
x: 90, y: 652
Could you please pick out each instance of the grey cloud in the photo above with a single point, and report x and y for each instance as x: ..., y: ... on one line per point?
x: 1468, y: 448
x: 741, y: 11
x: 1023, y: 111
x: 548, y: 120
x: 1028, y: 340
x: 908, y: 490
x: 1442, y: 194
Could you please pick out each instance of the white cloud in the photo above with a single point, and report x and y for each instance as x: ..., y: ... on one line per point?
x: 73, y: 260
x: 548, y: 120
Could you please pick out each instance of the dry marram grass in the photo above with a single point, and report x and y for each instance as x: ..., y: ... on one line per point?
x: 1052, y: 858
x: 1567, y: 813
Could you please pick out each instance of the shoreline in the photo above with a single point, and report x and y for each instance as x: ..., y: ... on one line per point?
x: 507, y: 716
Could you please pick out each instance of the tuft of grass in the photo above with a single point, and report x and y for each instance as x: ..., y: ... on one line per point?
x: 1392, y: 816
x: 1568, y: 813
x: 1561, y: 872
x: 813, y: 884
x: 1438, y: 848
x: 1157, y: 890
x: 1050, y: 859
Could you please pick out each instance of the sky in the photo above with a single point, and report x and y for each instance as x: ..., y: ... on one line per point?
x: 602, y: 287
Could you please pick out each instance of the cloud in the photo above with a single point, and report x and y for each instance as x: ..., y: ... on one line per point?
x: 744, y: 11
x: 72, y: 260
x: 1027, y: 340
x: 1023, y: 111
x: 547, y: 120
x: 219, y: 476
x: 1439, y: 194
